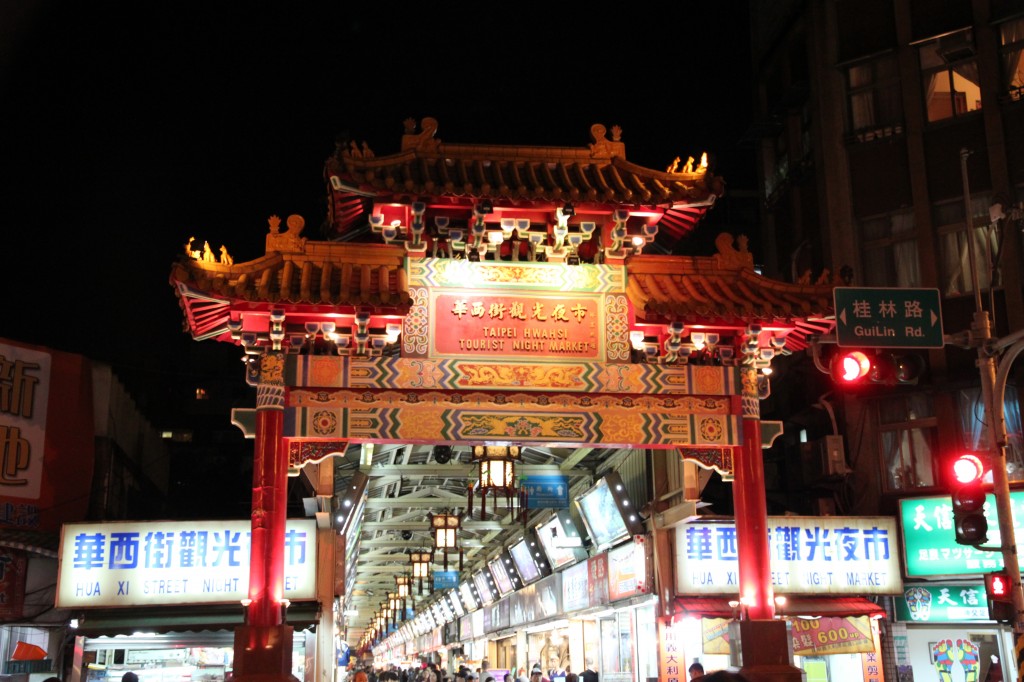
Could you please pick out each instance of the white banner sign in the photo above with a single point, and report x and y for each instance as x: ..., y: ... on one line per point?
x: 173, y: 562
x: 809, y: 555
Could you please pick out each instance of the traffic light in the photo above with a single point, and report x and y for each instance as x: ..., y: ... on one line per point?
x: 999, y: 591
x: 969, y: 522
x: 851, y: 367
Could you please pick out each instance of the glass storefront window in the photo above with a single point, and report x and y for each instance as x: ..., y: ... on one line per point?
x: 646, y: 631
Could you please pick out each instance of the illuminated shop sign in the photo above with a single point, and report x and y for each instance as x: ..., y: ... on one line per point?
x: 627, y: 570
x: 930, y: 543
x: 173, y: 562
x: 942, y: 603
x: 809, y: 555
x: 489, y: 325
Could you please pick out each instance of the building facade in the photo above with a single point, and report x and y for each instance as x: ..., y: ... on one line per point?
x: 888, y: 137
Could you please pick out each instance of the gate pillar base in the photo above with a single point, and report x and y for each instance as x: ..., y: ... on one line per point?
x: 763, y: 651
x: 263, y: 654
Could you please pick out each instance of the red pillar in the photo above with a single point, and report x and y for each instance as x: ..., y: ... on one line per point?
x: 263, y: 646
x: 763, y: 641
x: 751, y: 508
x: 266, y: 568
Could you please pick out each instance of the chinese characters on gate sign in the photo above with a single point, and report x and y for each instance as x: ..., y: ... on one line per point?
x: 840, y: 555
x: 165, y: 562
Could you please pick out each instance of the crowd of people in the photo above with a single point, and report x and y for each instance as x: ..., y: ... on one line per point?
x: 431, y: 672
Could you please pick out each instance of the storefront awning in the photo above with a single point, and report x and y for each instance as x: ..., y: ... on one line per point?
x: 718, y: 607
x: 108, y: 622
x: 830, y: 606
x: 33, y: 542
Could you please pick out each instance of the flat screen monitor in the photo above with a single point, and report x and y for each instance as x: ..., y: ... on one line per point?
x: 468, y: 599
x: 561, y: 541
x: 501, y: 577
x: 456, y: 601
x: 608, y: 513
x: 482, y: 581
x: 525, y: 561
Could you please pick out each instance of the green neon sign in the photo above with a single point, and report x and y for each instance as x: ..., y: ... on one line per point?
x: 929, y: 544
x: 942, y: 603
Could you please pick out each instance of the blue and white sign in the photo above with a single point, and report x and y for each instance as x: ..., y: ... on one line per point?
x: 446, y: 580
x: 546, y: 492
x: 809, y: 555
x: 173, y: 562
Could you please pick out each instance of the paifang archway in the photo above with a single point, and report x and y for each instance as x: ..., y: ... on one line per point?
x: 515, y: 306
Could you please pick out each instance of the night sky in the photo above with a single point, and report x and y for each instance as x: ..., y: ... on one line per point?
x: 128, y: 127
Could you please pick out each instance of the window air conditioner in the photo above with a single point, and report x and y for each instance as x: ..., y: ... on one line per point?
x: 956, y: 47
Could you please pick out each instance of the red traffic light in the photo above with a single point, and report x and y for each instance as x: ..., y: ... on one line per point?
x: 851, y: 366
x: 968, y: 500
x: 968, y: 468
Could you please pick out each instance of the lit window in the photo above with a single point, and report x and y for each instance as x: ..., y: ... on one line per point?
x: 949, y: 74
x: 1011, y: 36
x: 201, y: 394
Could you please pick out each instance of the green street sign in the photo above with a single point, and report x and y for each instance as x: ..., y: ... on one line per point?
x: 882, y: 317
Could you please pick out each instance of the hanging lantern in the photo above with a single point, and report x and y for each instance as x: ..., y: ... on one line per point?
x: 421, y: 565
x: 404, y: 583
x: 396, y: 604
x: 497, y: 474
x: 445, y: 531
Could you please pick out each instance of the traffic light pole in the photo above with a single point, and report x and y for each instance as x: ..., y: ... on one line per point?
x: 993, y: 385
x: 994, y: 375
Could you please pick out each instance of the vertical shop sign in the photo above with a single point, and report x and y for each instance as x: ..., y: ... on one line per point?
x: 872, y: 667
x: 597, y: 580
x: 47, y: 437
x: 671, y: 651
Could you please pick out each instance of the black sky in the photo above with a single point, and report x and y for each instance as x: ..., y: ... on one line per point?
x: 128, y: 127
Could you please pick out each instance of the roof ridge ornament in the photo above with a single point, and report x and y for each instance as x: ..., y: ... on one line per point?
x: 602, y: 148
x: 423, y: 141
x: 731, y: 258
x: 289, y: 241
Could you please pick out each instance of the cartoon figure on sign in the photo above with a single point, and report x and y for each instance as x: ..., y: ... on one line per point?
x: 919, y: 601
x: 965, y: 653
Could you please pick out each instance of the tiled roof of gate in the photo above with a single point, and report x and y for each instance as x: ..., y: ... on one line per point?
x: 599, y: 173
x: 693, y: 289
x: 320, y: 277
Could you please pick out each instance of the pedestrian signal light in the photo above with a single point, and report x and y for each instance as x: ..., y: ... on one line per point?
x: 999, y: 591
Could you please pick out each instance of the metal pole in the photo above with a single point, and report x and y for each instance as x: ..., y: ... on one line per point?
x: 993, y: 387
x: 994, y: 391
x: 964, y: 153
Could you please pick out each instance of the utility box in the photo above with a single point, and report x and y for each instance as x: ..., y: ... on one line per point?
x: 824, y: 458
